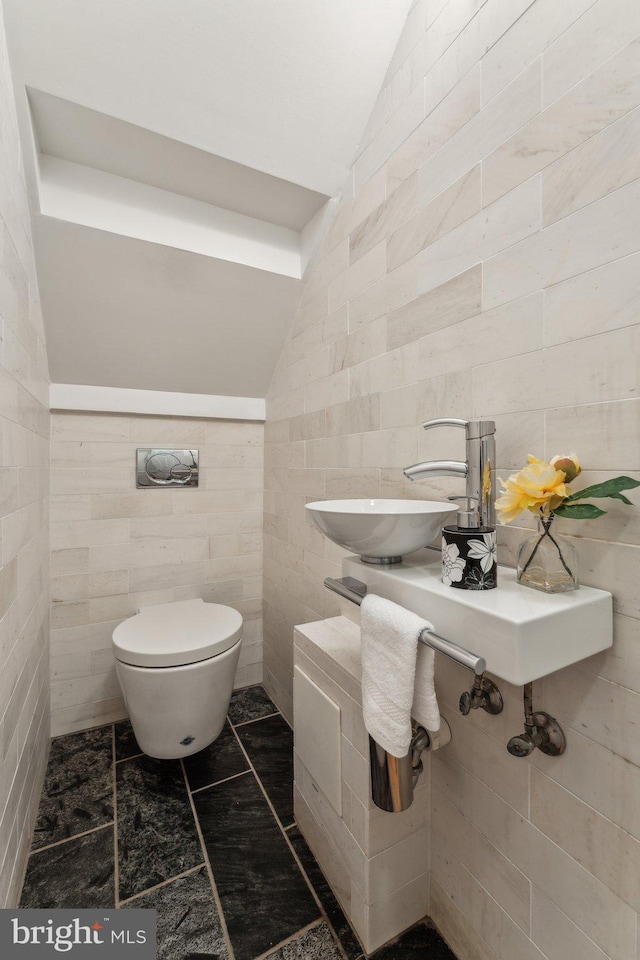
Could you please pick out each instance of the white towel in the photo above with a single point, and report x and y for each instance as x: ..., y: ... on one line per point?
x: 394, y: 685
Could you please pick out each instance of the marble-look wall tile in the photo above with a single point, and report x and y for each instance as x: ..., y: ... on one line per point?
x: 486, y: 130
x: 489, y: 311
x: 24, y: 508
x: 448, y: 210
x: 592, y: 40
x: 439, y: 125
x: 600, y: 99
x: 597, y: 167
x: 529, y: 36
x: 116, y: 551
x: 498, y: 227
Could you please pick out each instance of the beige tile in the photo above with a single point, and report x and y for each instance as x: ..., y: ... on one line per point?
x: 393, y: 133
x: 600, y: 914
x: 607, y: 371
x: 606, y: 851
x: 455, y: 927
x: 90, y: 480
x: 607, y: 434
x: 356, y: 278
x: 556, y: 935
x: 399, y: 206
x: 166, y: 576
x: 606, y: 27
x: 529, y: 36
x: 517, y: 104
x: 354, y: 416
x: 599, y: 100
x: 168, y: 527
x: 167, y: 431
x: 510, y: 330
x: 593, y: 302
x: 495, y: 926
x: 455, y: 300
x: 397, y: 368
x: 478, y: 36
x: 501, y: 878
x: 453, y: 206
x: 498, y: 227
x: 86, y: 533
x: 367, y: 341
x: 89, y: 427
x: 596, y: 168
x: 394, y: 289
x: 353, y: 210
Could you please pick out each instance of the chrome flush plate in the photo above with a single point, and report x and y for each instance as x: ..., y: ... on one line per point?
x: 166, y: 468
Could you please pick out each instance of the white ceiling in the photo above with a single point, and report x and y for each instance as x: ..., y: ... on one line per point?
x: 187, y: 148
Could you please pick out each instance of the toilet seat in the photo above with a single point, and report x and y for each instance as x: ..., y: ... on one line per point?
x: 177, y: 634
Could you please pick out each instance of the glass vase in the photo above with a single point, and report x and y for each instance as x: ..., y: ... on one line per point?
x: 548, y: 562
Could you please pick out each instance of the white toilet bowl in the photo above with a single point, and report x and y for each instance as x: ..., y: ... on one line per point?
x: 176, y: 663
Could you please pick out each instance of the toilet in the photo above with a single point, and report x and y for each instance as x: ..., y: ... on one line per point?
x: 176, y: 664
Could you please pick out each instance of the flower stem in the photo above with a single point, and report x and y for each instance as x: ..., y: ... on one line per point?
x: 547, y: 533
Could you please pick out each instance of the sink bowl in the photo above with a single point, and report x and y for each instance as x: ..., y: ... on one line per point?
x: 381, y: 531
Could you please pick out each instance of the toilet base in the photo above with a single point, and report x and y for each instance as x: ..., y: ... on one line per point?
x: 178, y: 711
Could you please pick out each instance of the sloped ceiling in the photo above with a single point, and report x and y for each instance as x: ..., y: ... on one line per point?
x: 183, y: 154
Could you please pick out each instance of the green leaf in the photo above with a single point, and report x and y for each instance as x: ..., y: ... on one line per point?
x: 610, y: 488
x: 579, y: 511
x: 621, y: 496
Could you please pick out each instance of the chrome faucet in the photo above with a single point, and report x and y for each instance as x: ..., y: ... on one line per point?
x: 480, y: 461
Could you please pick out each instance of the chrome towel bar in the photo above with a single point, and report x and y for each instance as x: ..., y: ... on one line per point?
x: 354, y: 590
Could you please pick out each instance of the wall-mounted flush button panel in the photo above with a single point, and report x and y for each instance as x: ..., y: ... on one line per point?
x: 166, y: 468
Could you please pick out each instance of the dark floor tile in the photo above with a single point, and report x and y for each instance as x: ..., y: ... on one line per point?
x: 250, y: 703
x: 75, y: 874
x: 221, y: 759
x: 325, y: 895
x: 78, y: 789
x: 314, y: 944
x: 422, y: 942
x: 126, y: 743
x: 264, y: 896
x: 157, y: 837
x: 188, y: 921
x: 269, y: 744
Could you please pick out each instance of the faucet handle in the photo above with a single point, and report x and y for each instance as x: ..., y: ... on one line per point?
x: 445, y: 422
x: 475, y: 428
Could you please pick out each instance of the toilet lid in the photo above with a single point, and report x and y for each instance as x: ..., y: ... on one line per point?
x: 176, y: 634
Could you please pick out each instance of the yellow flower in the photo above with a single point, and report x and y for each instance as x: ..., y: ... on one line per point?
x: 539, y: 486
x: 569, y: 464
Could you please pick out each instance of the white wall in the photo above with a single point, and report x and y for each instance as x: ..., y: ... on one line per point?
x: 484, y: 262
x: 24, y: 499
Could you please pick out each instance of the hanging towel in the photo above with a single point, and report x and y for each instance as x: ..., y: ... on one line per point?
x: 397, y: 680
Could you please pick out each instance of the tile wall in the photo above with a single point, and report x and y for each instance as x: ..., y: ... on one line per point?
x: 116, y: 548
x: 485, y: 261
x: 24, y: 499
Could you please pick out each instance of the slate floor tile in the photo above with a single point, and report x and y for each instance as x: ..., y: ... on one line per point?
x: 264, y: 896
x: 422, y: 942
x: 221, y: 759
x: 157, y: 836
x: 269, y: 744
x: 332, y: 908
x: 314, y: 944
x: 188, y: 921
x: 78, y: 789
x: 77, y: 874
x: 126, y: 743
x: 250, y: 703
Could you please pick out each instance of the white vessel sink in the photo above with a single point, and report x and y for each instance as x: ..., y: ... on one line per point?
x: 521, y: 633
x: 381, y: 531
